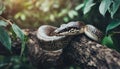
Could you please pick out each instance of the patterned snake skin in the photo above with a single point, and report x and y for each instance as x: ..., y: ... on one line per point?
x: 52, y: 38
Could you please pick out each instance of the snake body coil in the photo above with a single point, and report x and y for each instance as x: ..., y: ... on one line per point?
x: 52, y: 38
x: 48, y: 41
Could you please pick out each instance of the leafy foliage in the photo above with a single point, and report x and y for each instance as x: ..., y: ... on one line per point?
x: 113, y: 25
x: 115, y: 5
x: 104, y: 6
x: 107, y: 40
x: 110, y: 5
x: 45, y: 11
x: 5, y: 39
x: 14, y: 62
x: 18, y: 31
x: 2, y: 8
x: 88, y: 5
x: 3, y: 23
x: 19, y: 34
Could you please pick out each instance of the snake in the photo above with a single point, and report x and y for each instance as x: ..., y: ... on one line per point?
x: 55, y: 38
x: 48, y: 41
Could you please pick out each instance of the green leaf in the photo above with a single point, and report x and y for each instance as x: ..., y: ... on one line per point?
x: 88, y: 6
x: 18, y: 31
x: 3, y: 23
x: 23, y: 47
x: 107, y: 40
x: 104, y: 6
x: 113, y: 9
x: 20, y: 15
x: 23, y: 17
x: 19, y: 34
x: 72, y: 13
x: 52, y: 17
x: 71, y: 67
x: 2, y: 7
x: 5, y: 38
x: 79, y: 7
x: 113, y: 25
x: 66, y: 19
x: 63, y: 12
x: 0, y: 12
x: 17, y: 15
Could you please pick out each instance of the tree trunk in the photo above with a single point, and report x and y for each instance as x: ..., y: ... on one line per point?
x: 80, y: 51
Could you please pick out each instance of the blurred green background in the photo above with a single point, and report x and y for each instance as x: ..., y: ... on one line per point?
x: 33, y: 13
x: 30, y: 14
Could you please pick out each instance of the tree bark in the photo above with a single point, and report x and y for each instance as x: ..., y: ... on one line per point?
x: 80, y: 51
x: 92, y: 55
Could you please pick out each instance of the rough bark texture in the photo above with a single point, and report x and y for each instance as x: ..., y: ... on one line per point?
x: 92, y: 55
x: 81, y: 51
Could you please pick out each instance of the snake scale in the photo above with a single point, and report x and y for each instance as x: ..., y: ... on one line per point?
x: 52, y: 38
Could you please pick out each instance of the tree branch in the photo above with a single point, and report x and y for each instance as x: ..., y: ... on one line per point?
x: 81, y: 51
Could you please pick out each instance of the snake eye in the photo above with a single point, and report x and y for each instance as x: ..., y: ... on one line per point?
x: 72, y: 30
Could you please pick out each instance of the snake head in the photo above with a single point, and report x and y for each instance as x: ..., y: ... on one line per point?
x: 72, y: 28
x: 93, y: 33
